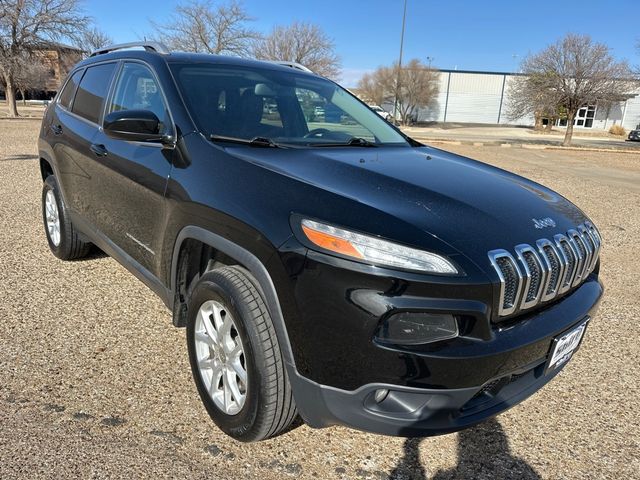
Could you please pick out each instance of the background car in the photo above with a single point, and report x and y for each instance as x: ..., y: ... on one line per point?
x: 634, y: 135
x: 383, y: 113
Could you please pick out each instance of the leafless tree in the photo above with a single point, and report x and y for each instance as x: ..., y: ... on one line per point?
x: 31, y: 76
x: 527, y: 95
x: 201, y: 26
x: 93, y: 38
x: 300, y: 42
x: 415, y: 85
x: 25, y: 25
x: 573, y: 73
x: 371, y: 88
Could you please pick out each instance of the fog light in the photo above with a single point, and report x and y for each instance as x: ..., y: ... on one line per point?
x: 415, y: 328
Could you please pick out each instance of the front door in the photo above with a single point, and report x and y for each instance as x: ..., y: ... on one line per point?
x: 134, y: 174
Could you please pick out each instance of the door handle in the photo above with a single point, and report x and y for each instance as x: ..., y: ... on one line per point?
x: 56, y: 129
x: 99, y: 150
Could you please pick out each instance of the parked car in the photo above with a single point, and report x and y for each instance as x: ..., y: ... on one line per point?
x: 634, y: 135
x: 383, y: 113
x: 347, y: 272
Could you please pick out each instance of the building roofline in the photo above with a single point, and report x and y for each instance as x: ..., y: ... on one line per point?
x: 46, y: 45
x: 481, y: 72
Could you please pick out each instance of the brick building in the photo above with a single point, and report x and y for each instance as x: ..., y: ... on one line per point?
x: 58, y: 59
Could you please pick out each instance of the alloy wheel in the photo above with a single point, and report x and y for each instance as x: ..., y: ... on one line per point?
x: 221, y: 357
x: 52, y: 216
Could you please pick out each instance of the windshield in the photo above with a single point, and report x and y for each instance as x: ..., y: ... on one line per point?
x: 286, y: 107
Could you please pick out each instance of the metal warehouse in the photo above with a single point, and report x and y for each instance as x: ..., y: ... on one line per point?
x: 483, y: 97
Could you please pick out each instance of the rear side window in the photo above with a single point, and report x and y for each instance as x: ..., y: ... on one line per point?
x: 92, y: 91
x: 69, y: 89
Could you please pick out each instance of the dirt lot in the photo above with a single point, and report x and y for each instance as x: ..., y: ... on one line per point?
x: 95, y: 381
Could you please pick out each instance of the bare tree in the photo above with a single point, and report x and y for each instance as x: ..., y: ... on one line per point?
x: 527, y: 95
x: 371, y: 88
x: 25, y: 25
x: 93, y: 39
x: 201, y: 26
x: 31, y: 76
x: 303, y: 43
x: 416, y: 86
x: 573, y: 73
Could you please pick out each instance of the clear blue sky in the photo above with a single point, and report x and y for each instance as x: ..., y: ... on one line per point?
x: 467, y: 35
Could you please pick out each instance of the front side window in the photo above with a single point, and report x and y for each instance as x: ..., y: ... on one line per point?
x: 66, y: 96
x: 137, y: 89
x: 284, y: 106
x: 92, y: 91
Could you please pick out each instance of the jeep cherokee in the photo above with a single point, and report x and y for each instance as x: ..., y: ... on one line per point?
x: 326, y: 265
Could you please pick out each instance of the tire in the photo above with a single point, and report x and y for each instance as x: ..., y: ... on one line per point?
x: 63, y: 239
x: 264, y: 406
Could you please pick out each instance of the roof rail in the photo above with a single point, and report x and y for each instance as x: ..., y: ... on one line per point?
x: 148, y: 46
x: 295, y: 65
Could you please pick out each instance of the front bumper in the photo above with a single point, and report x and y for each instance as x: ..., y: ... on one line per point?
x: 413, y: 412
x: 432, y: 389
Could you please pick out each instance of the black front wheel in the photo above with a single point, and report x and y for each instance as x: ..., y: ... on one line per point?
x: 235, y: 357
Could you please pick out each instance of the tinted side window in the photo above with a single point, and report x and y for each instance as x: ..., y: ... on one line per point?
x: 92, y: 91
x: 69, y: 89
x: 136, y: 89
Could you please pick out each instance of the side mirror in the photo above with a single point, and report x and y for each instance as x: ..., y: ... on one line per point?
x: 133, y: 125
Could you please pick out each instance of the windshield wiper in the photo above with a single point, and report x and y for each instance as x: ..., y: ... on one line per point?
x: 352, y: 142
x: 254, y: 142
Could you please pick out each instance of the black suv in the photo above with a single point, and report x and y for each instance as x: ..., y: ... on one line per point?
x: 323, y: 262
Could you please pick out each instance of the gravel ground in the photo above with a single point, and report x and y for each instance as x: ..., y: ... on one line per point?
x: 95, y: 381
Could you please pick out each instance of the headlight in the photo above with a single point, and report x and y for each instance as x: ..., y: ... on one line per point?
x: 373, y: 250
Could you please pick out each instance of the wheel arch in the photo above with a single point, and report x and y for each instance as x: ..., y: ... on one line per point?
x: 46, y: 168
x: 236, y: 255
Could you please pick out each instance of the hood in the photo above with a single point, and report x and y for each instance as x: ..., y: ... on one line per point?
x: 469, y: 205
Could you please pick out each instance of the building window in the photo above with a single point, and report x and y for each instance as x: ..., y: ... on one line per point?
x: 584, y: 117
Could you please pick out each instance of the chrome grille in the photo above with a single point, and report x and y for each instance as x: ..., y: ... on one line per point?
x: 570, y: 258
x: 541, y: 273
x: 534, y: 276
x: 596, y: 241
x: 581, y: 251
x: 553, y: 265
x: 510, y: 280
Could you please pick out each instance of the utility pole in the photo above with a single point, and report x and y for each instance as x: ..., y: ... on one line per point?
x: 515, y: 61
x: 395, y: 103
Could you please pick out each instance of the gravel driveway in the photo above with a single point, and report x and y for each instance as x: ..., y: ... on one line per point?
x: 95, y: 380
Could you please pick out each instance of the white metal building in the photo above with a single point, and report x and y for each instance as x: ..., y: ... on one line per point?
x: 482, y: 97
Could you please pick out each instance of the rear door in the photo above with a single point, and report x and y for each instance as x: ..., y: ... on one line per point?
x: 133, y: 175
x: 72, y: 130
